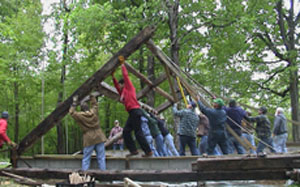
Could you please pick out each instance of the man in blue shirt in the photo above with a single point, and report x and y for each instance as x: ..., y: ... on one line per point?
x: 217, y: 119
x: 235, y: 115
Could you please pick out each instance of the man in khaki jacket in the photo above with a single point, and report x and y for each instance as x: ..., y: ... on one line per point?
x: 93, y: 136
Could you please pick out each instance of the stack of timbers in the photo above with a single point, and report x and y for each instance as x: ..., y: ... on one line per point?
x: 270, y: 167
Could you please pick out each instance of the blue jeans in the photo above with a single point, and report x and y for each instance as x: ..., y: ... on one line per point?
x: 261, y: 146
x: 151, y: 144
x: 280, y: 143
x: 160, y: 146
x: 169, y: 142
x: 235, y: 145
x: 118, y: 146
x: 250, y: 138
x: 87, y: 153
x: 191, y: 142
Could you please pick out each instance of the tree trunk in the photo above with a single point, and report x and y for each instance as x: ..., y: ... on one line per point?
x: 173, y: 12
x: 107, y: 117
x: 60, y: 126
x: 151, y: 77
x: 17, y: 111
x: 141, y: 65
x: 294, y: 95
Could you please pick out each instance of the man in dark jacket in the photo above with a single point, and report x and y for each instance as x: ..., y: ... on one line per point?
x: 128, y: 97
x: 156, y: 134
x: 217, y: 119
x: 280, y: 131
x: 235, y: 115
x: 263, y: 130
x: 93, y: 136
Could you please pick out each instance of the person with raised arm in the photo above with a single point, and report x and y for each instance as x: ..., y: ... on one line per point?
x: 128, y: 97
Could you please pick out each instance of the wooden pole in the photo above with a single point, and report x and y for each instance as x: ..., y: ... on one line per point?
x: 128, y: 182
x: 171, y: 83
x: 147, y: 81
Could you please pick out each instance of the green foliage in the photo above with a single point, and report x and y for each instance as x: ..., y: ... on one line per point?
x: 219, y: 45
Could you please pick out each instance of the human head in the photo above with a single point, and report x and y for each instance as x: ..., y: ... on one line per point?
x: 232, y: 103
x: 218, y: 103
x: 263, y: 110
x: 5, y: 115
x: 279, y: 110
x: 121, y: 83
x: 116, y: 123
x: 84, y: 106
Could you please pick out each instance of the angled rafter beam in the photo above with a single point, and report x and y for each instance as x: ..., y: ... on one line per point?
x: 168, y: 104
x: 171, y: 83
x: 164, y: 59
x: 112, y: 93
x: 51, y: 120
x: 147, y: 88
x: 147, y: 81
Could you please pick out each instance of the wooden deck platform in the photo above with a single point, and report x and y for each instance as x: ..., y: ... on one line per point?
x: 167, y: 169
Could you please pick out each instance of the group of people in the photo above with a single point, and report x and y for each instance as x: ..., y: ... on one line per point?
x: 155, y: 139
x: 241, y: 123
x: 216, y: 136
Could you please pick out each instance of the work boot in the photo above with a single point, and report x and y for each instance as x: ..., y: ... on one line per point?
x: 132, y: 154
x: 148, y: 154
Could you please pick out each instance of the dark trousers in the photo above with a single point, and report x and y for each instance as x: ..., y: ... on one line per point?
x: 218, y: 138
x: 191, y: 142
x: 134, y: 124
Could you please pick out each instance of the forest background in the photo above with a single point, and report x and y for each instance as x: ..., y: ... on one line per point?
x: 246, y: 50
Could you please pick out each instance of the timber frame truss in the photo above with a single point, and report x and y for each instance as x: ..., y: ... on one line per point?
x: 96, y: 81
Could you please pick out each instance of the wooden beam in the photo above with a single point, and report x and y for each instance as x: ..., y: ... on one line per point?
x: 147, y: 81
x: 156, y: 175
x: 270, y: 162
x: 115, y: 138
x: 167, y: 104
x: 172, y: 88
x: 147, y: 88
x: 165, y: 60
x: 112, y: 93
x: 51, y: 120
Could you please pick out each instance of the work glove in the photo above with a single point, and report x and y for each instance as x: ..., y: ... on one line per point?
x: 12, y: 144
x: 121, y: 59
x: 75, y: 100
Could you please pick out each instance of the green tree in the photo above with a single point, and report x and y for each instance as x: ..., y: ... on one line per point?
x: 21, y: 39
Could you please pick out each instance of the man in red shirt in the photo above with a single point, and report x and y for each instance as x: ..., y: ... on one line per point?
x: 3, y: 127
x: 128, y: 97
